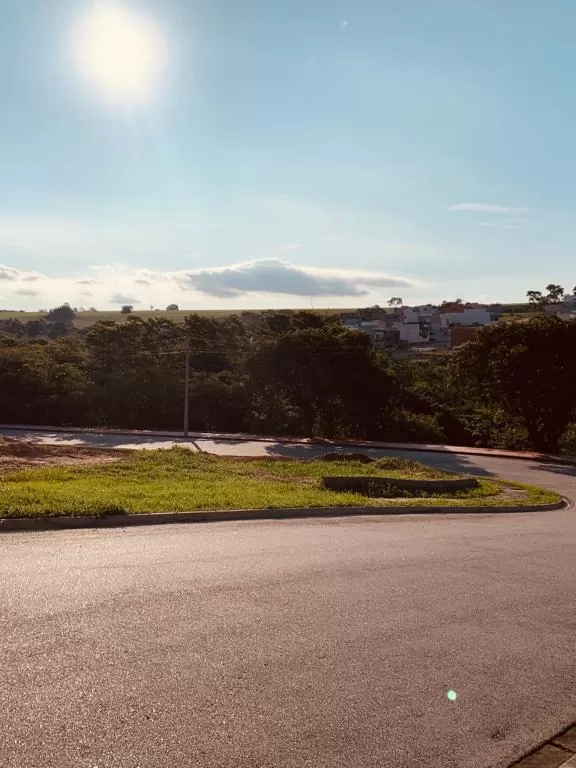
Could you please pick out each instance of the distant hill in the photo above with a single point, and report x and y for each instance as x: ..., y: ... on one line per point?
x: 86, y: 319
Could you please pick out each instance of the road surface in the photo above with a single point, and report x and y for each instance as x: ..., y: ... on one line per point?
x: 297, y: 643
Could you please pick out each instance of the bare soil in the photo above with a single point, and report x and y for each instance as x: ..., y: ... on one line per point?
x: 21, y: 454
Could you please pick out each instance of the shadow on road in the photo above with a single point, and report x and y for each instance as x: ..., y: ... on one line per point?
x: 98, y: 440
x: 558, y: 469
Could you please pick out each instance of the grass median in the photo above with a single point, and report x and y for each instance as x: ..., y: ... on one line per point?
x: 178, y: 480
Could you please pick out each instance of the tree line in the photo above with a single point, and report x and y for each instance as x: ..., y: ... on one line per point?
x: 291, y: 373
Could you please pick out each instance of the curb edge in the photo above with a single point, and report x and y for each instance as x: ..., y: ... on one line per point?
x: 548, y: 758
x: 237, y: 515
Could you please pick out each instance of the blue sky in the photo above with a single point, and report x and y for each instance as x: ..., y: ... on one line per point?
x: 316, y: 152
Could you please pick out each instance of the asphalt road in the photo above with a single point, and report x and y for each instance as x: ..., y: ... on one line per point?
x: 320, y: 643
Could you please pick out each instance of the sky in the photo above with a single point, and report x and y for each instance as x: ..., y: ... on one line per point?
x: 312, y: 153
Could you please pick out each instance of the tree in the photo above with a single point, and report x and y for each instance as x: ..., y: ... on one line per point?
x: 536, y: 298
x: 43, y: 383
x: 529, y: 371
x: 449, y: 303
x: 137, y: 370
x: 126, y: 309
x: 172, y: 308
x: 58, y: 329
x: 35, y: 328
x: 395, y: 301
x: 554, y: 295
x: 63, y: 314
x: 323, y: 380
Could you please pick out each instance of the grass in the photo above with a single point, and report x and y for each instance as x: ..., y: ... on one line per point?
x: 86, y: 319
x: 181, y: 481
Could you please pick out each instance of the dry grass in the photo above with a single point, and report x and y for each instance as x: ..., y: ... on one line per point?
x: 16, y: 455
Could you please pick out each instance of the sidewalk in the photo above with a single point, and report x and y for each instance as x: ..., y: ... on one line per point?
x: 464, y: 450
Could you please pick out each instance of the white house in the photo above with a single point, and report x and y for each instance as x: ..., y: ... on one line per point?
x: 467, y: 317
x: 412, y: 333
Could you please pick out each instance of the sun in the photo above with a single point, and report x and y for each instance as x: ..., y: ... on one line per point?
x: 120, y: 52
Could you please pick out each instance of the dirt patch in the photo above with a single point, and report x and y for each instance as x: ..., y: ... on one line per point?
x: 510, y: 493
x: 16, y: 455
x: 362, y: 458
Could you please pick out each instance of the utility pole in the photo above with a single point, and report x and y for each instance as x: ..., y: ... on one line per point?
x: 187, y: 387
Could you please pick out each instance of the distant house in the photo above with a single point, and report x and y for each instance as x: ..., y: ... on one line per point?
x: 439, y: 332
x: 415, y: 325
x: 557, y: 310
x: 467, y: 317
x: 384, y: 338
x: 413, y: 333
x: 566, y: 307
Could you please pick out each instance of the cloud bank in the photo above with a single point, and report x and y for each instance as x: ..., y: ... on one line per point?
x: 280, y: 277
x: 486, y: 208
x: 248, y: 284
x: 123, y: 298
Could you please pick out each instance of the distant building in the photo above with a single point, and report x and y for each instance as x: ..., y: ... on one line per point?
x: 439, y: 332
x: 557, y: 310
x: 567, y: 307
x: 384, y: 339
x: 467, y: 317
x: 413, y: 332
x: 414, y: 325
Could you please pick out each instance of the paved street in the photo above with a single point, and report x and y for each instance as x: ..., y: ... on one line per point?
x: 320, y: 643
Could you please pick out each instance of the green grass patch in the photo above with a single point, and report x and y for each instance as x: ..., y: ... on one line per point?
x: 181, y: 481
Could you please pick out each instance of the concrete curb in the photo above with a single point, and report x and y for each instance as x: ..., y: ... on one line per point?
x: 233, y: 515
x: 366, y: 484
x: 557, y: 752
x: 367, y: 444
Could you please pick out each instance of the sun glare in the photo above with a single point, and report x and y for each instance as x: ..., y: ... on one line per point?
x: 120, y: 52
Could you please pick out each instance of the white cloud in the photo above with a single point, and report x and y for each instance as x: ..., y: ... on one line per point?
x: 27, y: 292
x: 505, y: 224
x: 266, y: 282
x: 10, y: 274
x: 274, y: 276
x: 486, y: 208
x: 123, y: 298
x: 286, y: 247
